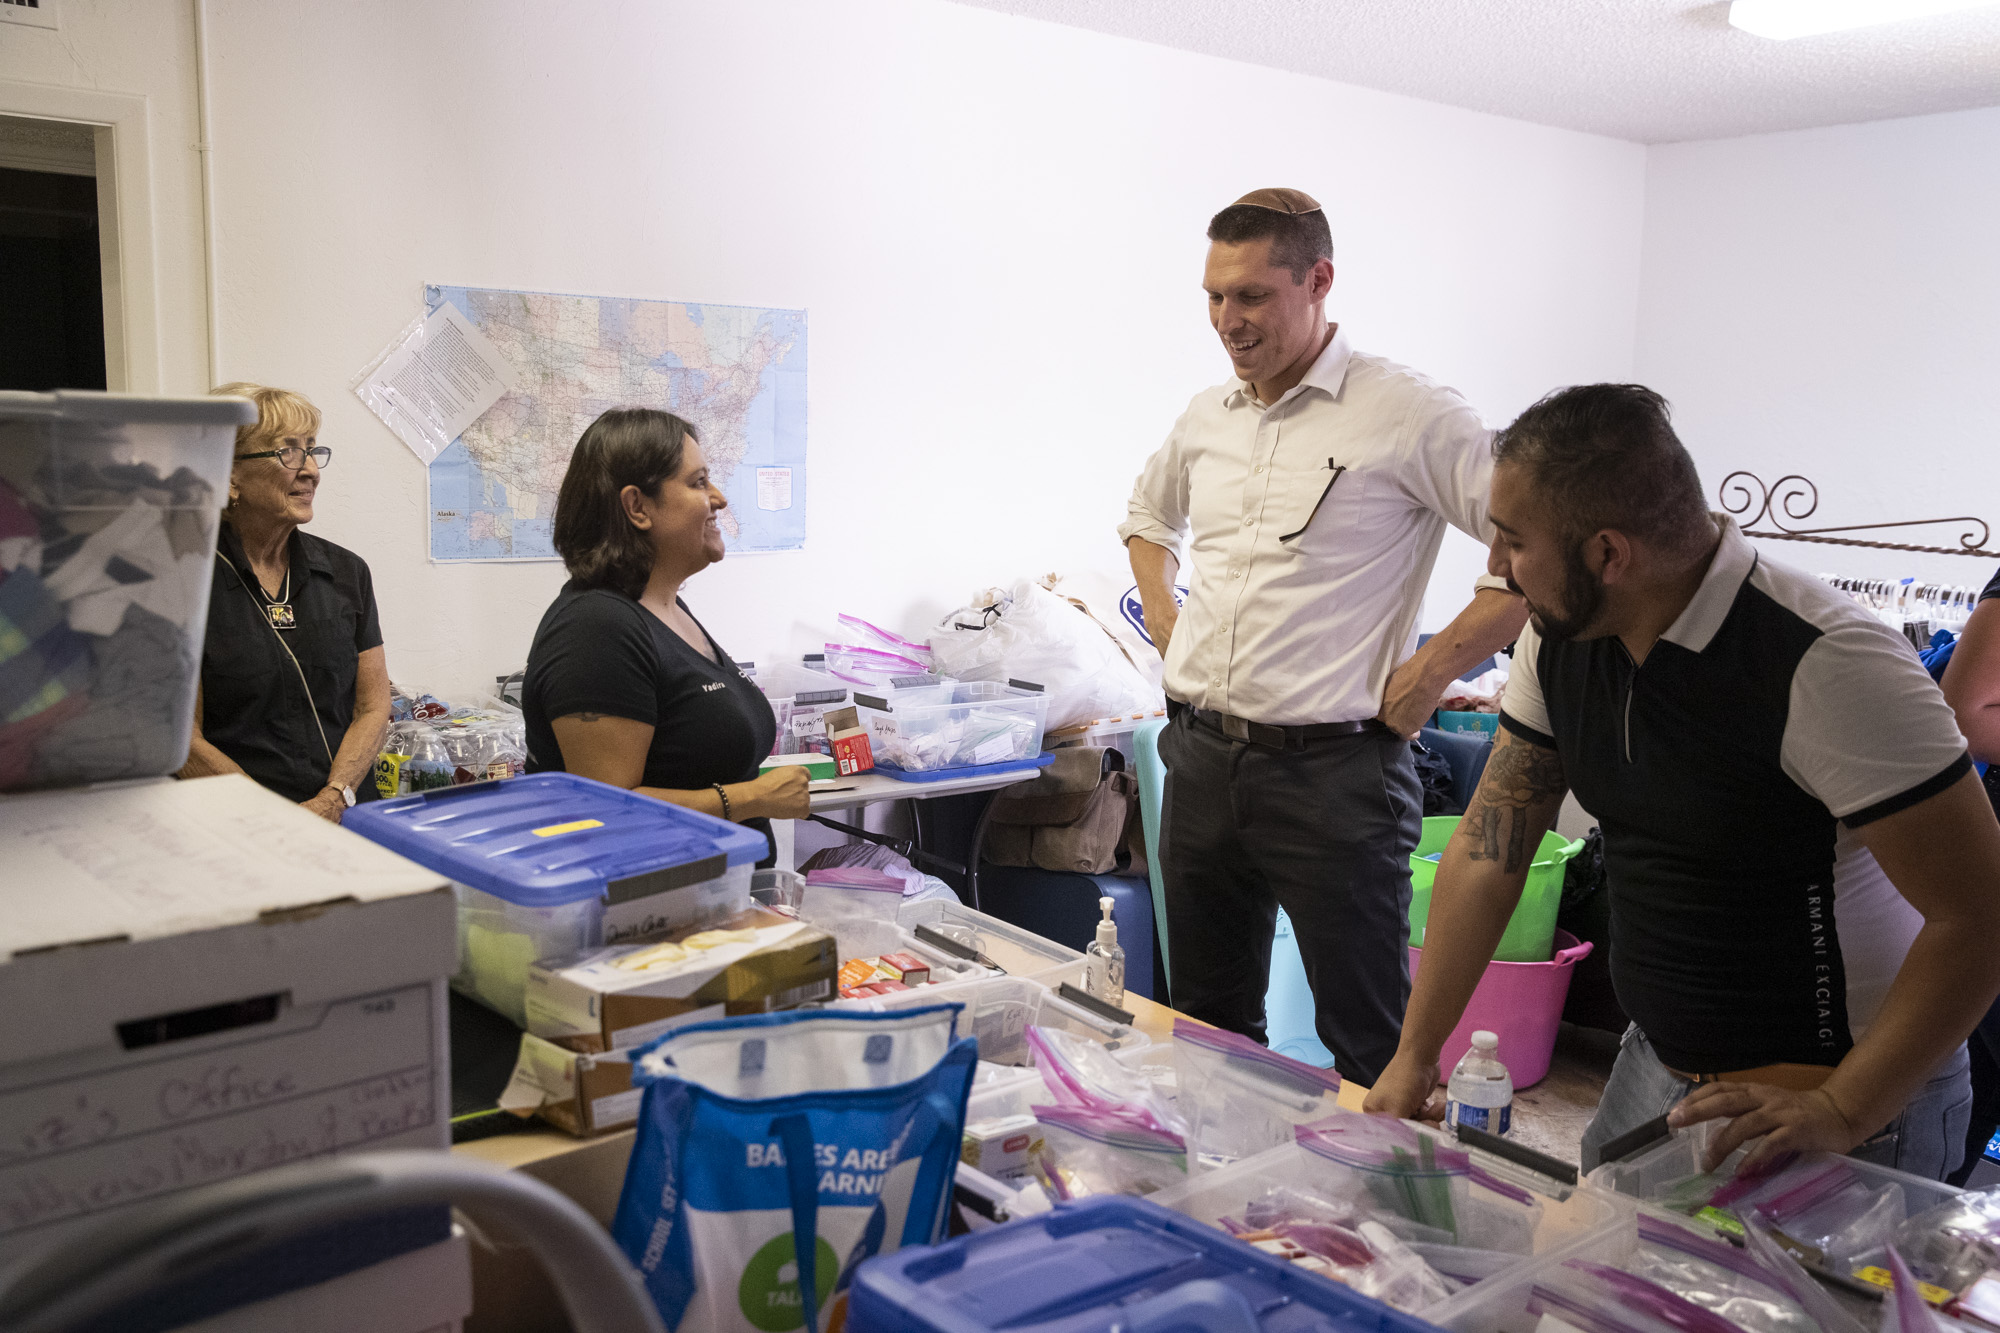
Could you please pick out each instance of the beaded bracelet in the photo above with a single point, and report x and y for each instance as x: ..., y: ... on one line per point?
x: 727, y: 813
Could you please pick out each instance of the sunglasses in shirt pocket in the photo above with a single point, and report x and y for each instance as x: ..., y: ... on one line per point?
x: 1313, y: 501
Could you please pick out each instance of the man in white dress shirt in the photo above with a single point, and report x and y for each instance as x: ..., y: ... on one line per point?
x: 1311, y: 493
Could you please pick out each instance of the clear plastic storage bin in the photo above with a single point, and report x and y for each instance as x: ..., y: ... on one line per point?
x: 960, y: 724
x: 1650, y: 1176
x: 1015, y: 951
x: 800, y: 698
x: 108, y: 512
x: 999, y: 1011
x: 1567, y: 1221
x: 1501, y: 1305
x: 550, y: 865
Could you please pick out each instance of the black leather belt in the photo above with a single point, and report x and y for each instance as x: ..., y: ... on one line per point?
x: 1282, y: 738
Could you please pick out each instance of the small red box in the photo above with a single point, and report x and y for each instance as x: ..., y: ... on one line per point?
x: 916, y: 972
x: 851, y: 751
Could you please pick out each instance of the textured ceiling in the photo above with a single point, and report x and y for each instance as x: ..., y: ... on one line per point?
x: 1654, y: 71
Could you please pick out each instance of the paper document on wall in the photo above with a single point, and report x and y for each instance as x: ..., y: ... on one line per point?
x: 434, y: 380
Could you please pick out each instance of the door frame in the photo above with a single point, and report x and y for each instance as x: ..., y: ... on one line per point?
x: 124, y: 220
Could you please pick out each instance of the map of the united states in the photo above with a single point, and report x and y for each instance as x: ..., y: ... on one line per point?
x: 737, y: 373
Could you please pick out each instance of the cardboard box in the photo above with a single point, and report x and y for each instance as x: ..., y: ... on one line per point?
x: 199, y: 980
x: 421, y: 1291
x: 578, y: 1093
x: 586, y: 1013
x: 852, y: 752
x: 1003, y: 1147
x: 591, y: 1004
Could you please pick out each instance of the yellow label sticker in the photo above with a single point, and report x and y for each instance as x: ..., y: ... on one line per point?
x: 1882, y: 1278
x: 574, y: 826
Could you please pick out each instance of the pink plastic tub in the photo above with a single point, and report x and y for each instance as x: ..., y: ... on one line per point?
x: 1522, y: 1004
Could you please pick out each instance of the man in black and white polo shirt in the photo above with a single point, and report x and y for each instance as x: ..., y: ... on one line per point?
x: 1804, y: 872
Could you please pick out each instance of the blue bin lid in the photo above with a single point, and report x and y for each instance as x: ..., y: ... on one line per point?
x: 547, y: 839
x: 1102, y: 1263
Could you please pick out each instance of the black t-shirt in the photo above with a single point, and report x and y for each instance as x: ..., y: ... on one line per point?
x: 599, y: 651
x: 1992, y: 587
x: 254, y: 707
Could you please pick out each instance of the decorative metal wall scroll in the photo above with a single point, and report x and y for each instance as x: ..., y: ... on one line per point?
x: 1793, y: 499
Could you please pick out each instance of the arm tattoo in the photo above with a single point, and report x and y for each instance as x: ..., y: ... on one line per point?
x: 1519, y: 778
x: 588, y: 717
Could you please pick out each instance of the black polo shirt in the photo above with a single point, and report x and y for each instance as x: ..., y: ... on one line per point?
x: 599, y: 651
x: 1776, y: 715
x: 255, y: 708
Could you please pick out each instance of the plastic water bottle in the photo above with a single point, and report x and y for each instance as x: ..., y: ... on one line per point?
x: 1481, y: 1094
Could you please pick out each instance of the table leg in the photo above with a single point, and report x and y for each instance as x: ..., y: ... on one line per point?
x: 784, y: 832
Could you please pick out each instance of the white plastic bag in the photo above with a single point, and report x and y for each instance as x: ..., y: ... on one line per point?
x: 1028, y: 633
x: 1112, y: 600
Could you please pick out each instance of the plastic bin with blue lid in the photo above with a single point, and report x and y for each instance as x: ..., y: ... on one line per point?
x: 1103, y: 1264
x: 550, y: 864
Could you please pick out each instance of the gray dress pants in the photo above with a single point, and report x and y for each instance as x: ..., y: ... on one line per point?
x: 1323, y: 830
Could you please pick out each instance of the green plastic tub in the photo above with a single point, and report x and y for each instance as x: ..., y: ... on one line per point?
x: 1530, y: 936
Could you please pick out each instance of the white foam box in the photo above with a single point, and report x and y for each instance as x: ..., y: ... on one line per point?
x: 422, y: 1291
x: 199, y: 980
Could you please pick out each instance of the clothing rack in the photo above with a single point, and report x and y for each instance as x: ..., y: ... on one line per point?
x: 1917, y: 609
x: 1793, y: 499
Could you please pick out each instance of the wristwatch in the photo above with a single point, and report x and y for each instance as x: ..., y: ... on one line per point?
x: 346, y: 793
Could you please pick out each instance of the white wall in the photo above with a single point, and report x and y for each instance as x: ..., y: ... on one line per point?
x: 1827, y: 302
x: 995, y: 225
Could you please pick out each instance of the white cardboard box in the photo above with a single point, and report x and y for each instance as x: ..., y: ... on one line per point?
x: 422, y: 1291
x: 199, y: 980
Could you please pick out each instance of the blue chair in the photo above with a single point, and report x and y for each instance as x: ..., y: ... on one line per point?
x: 1288, y: 1000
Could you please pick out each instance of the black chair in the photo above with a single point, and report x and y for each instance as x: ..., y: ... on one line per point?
x: 1466, y: 752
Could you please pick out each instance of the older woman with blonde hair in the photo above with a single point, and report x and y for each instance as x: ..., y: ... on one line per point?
x: 294, y: 684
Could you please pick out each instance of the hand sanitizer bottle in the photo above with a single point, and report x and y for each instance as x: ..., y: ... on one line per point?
x: 1104, y: 961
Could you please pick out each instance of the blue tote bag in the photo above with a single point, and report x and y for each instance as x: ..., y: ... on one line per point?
x: 776, y: 1152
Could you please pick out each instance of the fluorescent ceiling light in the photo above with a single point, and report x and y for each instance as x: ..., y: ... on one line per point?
x: 1805, y: 18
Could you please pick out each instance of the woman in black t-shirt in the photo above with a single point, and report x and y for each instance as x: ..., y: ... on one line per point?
x: 623, y: 684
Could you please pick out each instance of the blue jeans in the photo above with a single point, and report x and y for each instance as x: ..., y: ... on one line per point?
x: 1927, y: 1139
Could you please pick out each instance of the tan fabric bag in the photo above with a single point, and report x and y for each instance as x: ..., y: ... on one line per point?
x: 1073, y: 817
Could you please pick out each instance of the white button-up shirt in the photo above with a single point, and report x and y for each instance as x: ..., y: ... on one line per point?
x: 1313, y: 523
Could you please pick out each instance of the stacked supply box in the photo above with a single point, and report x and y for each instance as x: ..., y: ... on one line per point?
x: 201, y: 980
x: 550, y: 865
x: 586, y: 1014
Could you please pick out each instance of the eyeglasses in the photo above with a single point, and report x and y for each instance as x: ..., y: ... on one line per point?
x: 294, y: 456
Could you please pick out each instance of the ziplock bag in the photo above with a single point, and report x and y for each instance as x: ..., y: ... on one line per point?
x: 1903, y: 1309
x: 895, y: 643
x: 1332, y: 1239
x: 1717, y: 1277
x: 1410, y: 1174
x: 1821, y: 1203
x: 873, y: 665
x: 776, y: 1152
x: 1599, y: 1299
x: 1955, y: 1242
x: 1081, y: 1074
x: 1805, y: 1290
x: 1085, y: 1153
x: 1238, y: 1098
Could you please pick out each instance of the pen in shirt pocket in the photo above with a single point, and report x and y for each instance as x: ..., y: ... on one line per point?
x: 1336, y: 469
